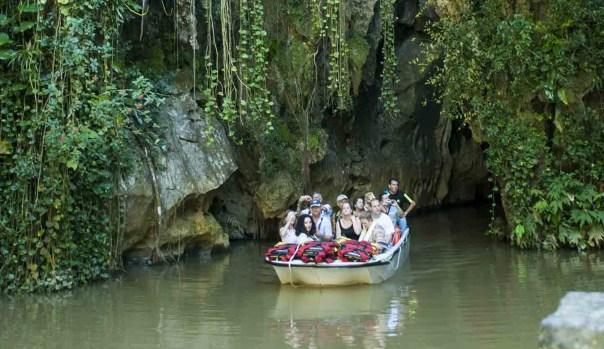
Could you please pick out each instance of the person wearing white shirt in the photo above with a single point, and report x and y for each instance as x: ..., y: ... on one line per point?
x: 288, y: 231
x: 322, y: 222
x: 382, y: 219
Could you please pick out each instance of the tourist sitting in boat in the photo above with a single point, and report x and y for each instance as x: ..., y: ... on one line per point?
x: 348, y: 225
x: 359, y: 207
x: 288, y: 230
x: 401, y: 199
x: 368, y: 197
x: 366, y: 226
x: 305, y: 229
x: 322, y: 222
x: 392, y: 209
x: 373, y: 232
x: 379, y: 238
x: 381, y: 218
x: 306, y: 200
x: 340, y: 200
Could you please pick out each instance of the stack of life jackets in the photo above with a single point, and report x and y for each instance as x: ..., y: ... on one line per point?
x: 318, y: 252
x: 344, y: 249
x: 356, y: 251
x: 281, y: 252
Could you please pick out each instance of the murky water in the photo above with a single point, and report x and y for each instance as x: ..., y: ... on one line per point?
x: 458, y: 289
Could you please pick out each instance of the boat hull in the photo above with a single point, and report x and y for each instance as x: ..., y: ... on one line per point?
x: 339, y: 274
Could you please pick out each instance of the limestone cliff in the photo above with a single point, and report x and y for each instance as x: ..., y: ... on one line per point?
x: 168, y: 192
x: 352, y: 151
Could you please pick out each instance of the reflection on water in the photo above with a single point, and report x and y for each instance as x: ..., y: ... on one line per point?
x: 356, y: 316
x: 458, y: 289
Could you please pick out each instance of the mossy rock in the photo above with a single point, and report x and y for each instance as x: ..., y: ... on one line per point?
x: 183, y: 80
x: 359, y: 50
x: 208, y: 227
x: 275, y: 195
x: 153, y: 61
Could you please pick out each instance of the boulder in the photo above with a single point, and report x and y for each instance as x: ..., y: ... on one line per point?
x: 362, y: 12
x: 193, y: 229
x: 578, y: 323
x: 274, y: 196
x: 168, y: 182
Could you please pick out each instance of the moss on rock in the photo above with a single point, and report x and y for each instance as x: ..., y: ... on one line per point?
x: 274, y: 195
x: 359, y: 49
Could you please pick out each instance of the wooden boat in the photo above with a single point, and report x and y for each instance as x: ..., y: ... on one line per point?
x: 376, y: 270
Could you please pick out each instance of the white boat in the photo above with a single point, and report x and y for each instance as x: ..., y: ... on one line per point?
x: 376, y: 270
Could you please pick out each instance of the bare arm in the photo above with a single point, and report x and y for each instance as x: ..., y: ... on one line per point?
x: 411, y: 205
x: 301, y: 201
x: 356, y: 225
x: 283, y: 231
x: 338, y: 231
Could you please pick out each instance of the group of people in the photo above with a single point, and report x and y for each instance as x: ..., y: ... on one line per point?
x: 368, y: 219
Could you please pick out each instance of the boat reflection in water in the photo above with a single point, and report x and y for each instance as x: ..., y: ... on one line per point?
x: 361, y: 316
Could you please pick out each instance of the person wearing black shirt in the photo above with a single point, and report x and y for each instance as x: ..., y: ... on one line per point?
x: 399, y: 200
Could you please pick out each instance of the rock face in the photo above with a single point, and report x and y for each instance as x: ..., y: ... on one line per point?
x: 578, y: 323
x: 168, y: 194
x: 274, y: 196
x: 434, y: 158
x: 353, y: 151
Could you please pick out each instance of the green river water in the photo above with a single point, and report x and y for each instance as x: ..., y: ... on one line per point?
x: 458, y: 289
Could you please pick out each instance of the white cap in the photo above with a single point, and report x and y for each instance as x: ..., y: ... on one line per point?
x: 342, y: 197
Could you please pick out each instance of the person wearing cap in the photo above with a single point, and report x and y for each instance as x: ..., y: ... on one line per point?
x: 322, y: 222
x: 306, y: 199
x: 399, y: 201
x: 340, y: 200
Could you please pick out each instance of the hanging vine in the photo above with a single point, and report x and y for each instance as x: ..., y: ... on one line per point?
x: 339, y: 73
x: 255, y: 98
x: 237, y: 93
x: 329, y: 22
x: 390, y: 77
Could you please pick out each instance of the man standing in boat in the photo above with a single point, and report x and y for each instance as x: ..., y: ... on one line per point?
x: 399, y: 200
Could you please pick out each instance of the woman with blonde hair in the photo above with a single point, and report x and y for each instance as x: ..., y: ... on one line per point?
x: 366, y: 226
x: 288, y: 230
x: 373, y: 231
x: 348, y: 225
x: 368, y: 197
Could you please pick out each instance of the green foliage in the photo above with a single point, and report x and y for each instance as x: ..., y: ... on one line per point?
x: 64, y: 117
x: 526, y: 83
x: 256, y: 104
x: 390, y: 79
x: 334, y: 30
x: 237, y: 93
x: 278, y: 151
